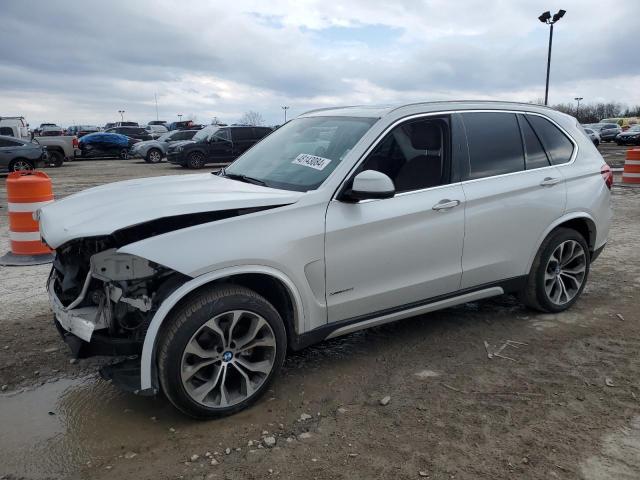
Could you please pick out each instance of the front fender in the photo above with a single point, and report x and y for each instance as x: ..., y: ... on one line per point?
x: 148, y: 374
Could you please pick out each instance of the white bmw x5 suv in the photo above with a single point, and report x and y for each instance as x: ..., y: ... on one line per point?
x: 342, y: 219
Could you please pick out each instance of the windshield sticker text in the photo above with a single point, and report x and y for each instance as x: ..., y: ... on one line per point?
x: 318, y: 163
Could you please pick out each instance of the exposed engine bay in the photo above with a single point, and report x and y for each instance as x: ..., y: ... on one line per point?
x: 93, y: 288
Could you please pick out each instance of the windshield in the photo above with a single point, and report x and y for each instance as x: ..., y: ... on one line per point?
x: 165, y: 136
x: 302, y: 153
x: 205, y: 133
x: 634, y: 128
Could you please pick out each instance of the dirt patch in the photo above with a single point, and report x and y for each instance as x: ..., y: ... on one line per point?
x: 563, y: 405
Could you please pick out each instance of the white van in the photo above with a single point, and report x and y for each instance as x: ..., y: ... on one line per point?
x: 15, y: 127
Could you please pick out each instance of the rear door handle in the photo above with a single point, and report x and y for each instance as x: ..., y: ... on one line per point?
x: 445, y: 204
x: 548, y: 181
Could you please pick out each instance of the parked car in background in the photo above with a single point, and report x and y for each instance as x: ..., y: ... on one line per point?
x: 154, y: 150
x: 156, y: 130
x: 342, y: 219
x: 593, y: 135
x: 60, y: 148
x: 50, y: 131
x: 607, y: 131
x: 38, y: 131
x: 18, y: 154
x: 630, y: 137
x: 184, y: 125
x: 82, y: 130
x: 158, y: 122
x: 105, y: 144
x: 133, y: 132
x: 15, y: 127
x: 215, y: 144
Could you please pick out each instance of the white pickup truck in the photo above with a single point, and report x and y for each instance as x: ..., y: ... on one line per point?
x: 60, y: 148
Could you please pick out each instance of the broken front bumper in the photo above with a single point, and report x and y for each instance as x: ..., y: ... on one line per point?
x: 86, y: 332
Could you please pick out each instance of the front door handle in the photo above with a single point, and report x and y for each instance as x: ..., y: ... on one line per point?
x: 548, y: 181
x: 445, y: 204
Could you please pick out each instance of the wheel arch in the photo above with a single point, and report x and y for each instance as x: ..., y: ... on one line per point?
x: 274, y: 285
x: 582, y: 222
x: 13, y: 161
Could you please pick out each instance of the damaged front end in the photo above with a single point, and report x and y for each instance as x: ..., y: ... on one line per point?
x: 103, y: 301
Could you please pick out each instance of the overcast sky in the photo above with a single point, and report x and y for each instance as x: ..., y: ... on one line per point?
x: 79, y: 62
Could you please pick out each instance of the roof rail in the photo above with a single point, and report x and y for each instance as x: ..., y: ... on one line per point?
x: 11, y: 118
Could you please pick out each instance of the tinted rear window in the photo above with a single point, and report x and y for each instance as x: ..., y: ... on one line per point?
x: 495, y: 144
x: 557, y: 144
x: 535, y: 156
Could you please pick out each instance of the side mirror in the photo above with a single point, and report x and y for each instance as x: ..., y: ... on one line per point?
x: 371, y: 185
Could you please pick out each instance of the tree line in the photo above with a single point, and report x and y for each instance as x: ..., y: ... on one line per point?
x: 594, y: 112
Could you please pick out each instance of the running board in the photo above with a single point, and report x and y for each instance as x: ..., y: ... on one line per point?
x: 412, y: 312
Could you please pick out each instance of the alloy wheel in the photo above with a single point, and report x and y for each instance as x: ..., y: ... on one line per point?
x: 565, y: 272
x: 21, y: 165
x: 154, y: 156
x: 196, y: 160
x: 228, y: 358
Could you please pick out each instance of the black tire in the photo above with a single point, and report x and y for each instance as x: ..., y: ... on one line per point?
x: 195, y: 160
x: 154, y: 156
x: 188, y: 319
x: 534, y: 294
x: 14, y: 165
x: 123, y: 154
x: 596, y: 143
x: 56, y: 159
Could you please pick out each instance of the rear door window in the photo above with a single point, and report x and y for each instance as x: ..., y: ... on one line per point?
x: 242, y: 134
x: 557, y: 144
x: 535, y: 156
x: 495, y: 144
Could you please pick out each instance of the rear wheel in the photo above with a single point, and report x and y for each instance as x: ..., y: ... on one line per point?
x: 195, y: 160
x: 123, y: 154
x: 56, y: 159
x: 220, y: 351
x: 559, y: 272
x: 154, y: 156
x: 20, y: 164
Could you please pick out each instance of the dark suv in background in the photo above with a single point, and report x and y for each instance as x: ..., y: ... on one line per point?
x: 138, y: 133
x: 607, y: 131
x: 215, y: 144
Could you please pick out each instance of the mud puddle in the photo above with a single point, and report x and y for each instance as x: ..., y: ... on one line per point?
x: 50, y: 431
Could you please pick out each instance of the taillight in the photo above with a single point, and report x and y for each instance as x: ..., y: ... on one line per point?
x: 607, y: 175
x: 74, y: 142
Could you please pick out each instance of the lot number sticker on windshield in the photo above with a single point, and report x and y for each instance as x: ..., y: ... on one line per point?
x: 318, y: 163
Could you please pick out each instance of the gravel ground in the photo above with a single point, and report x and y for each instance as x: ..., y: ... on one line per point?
x: 564, y: 405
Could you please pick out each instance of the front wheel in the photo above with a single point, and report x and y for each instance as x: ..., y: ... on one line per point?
x: 220, y: 351
x: 123, y: 154
x: 559, y: 272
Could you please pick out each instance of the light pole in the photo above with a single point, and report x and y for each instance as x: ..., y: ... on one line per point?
x: 285, y: 108
x: 179, y: 117
x: 577, y: 99
x: 121, y: 112
x: 549, y: 20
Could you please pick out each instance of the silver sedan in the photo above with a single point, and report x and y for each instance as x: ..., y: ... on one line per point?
x: 154, y: 150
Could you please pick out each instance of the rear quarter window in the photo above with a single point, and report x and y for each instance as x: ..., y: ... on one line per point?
x: 555, y: 142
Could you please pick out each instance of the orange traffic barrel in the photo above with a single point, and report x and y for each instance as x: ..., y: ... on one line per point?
x: 27, y: 191
x: 631, y: 173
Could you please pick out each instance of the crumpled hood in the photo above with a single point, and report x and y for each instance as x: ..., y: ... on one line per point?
x: 105, y: 209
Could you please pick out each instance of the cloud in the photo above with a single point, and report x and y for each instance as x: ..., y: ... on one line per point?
x: 81, y: 62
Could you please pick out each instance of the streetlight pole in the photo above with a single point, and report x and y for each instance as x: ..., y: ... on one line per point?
x: 121, y: 112
x: 577, y: 99
x: 549, y: 20
x: 285, y: 108
x: 179, y: 116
